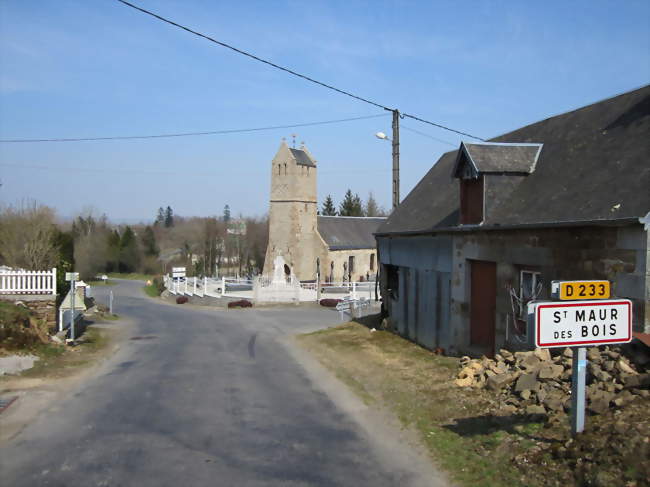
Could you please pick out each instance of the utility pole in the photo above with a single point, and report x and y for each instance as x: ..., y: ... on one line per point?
x: 395, y: 142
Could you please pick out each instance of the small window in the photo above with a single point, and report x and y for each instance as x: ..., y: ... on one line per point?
x: 285, y: 168
x: 530, y: 287
x: 372, y: 262
x: 471, y: 201
x: 392, y: 280
x: 279, y: 166
x: 351, y: 264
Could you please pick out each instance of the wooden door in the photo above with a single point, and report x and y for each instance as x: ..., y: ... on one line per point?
x: 483, y: 305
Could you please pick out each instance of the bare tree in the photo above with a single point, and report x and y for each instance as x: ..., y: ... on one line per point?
x: 27, y: 236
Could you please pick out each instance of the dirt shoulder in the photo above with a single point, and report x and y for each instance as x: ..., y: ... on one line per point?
x: 58, y: 370
x: 475, y: 446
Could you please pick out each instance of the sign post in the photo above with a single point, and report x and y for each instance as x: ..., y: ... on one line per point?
x: 577, y: 322
x: 72, y: 277
x: 578, y: 389
x: 110, y: 303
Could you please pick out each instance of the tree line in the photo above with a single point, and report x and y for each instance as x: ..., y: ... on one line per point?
x: 31, y: 238
x: 352, y: 205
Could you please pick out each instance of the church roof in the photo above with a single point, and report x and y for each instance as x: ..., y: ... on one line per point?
x: 349, y: 232
x: 302, y: 158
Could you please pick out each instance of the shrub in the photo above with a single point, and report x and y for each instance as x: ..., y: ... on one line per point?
x: 19, y: 328
x: 329, y: 302
x: 181, y: 300
x: 159, y: 285
x: 242, y: 303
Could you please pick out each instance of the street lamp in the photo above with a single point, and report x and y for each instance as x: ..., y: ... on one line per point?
x: 395, y: 143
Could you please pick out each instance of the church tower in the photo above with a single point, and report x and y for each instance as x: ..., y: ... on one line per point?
x: 292, y: 213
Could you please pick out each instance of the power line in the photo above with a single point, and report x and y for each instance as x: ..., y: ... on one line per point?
x: 114, y: 170
x: 188, y: 134
x: 438, y: 125
x: 290, y: 71
x: 228, y: 46
x: 429, y: 136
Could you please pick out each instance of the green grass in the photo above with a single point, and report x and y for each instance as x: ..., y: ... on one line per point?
x: 135, y: 276
x: 385, y: 370
x: 110, y: 317
x: 151, y: 291
x: 58, y: 360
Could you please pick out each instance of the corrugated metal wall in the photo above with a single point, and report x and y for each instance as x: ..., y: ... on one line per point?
x: 420, y: 310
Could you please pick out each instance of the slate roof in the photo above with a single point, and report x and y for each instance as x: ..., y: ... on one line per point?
x: 302, y: 158
x: 349, y: 232
x: 594, y: 167
x: 493, y: 157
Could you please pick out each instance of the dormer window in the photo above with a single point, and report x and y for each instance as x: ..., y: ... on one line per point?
x: 488, y: 172
x: 471, y: 201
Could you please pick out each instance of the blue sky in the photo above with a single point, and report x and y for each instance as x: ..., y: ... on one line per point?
x: 73, y: 68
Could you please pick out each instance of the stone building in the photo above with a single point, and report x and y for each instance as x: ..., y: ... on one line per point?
x: 339, y: 248
x: 493, y: 223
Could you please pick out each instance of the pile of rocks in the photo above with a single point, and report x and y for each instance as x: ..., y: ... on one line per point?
x: 537, y: 382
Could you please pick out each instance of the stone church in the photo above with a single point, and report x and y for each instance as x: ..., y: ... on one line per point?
x: 339, y: 248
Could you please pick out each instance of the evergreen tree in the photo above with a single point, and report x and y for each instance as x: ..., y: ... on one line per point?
x: 160, y: 219
x: 150, y: 247
x: 129, y: 252
x: 357, y: 209
x: 113, y: 254
x: 372, y: 209
x: 169, y: 217
x: 328, y: 207
x: 226, y: 214
x: 351, y: 205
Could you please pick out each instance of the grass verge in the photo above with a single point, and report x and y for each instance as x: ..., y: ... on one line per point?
x: 418, y: 387
x: 134, y: 276
x: 60, y: 360
x: 151, y: 290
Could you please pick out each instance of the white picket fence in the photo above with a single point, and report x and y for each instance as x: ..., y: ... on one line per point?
x: 209, y: 286
x: 255, y: 289
x: 28, y: 282
x: 356, y: 290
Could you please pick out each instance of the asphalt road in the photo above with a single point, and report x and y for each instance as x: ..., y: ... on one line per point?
x: 208, y: 398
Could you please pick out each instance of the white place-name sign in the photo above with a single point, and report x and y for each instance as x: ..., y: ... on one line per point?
x: 178, y: 271
x: 580, y: 323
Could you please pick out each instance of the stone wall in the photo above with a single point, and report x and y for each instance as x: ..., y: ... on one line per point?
x: 44, y: 306
x: 617, y: 254
x: 339, y: 257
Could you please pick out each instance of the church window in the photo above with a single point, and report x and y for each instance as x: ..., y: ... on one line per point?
x: 351, y: 264
x: 372, y: 262
x: 285, y: 168
x: 279, y: 165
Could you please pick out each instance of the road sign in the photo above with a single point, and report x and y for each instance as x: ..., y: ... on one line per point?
x: 580, y: 323
x: 71, y: 276
x: 580, y: 290
x: 178, y: 271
